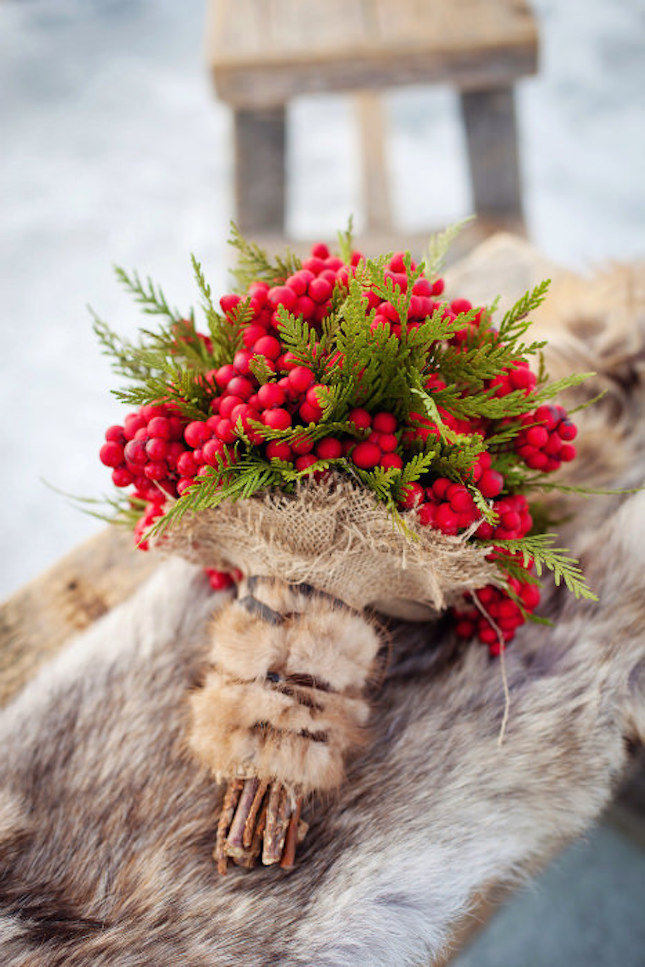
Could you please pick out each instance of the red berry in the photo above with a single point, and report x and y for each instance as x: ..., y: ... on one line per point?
x: 460, y: 305
x: 302, y: 445
x: 131, y: 424
x: 391, y: 461
x: 388, y: 442
x: 412, y: 495
x: 366, y: 455
x: 427, y: 514
x: 311, y: 395
x: 225, y: 374
x: 156, y: 448
x: 282, y: 295
x: 135, y: 452
x: 159, y: 426
x: 329, y: 448
x: 218, y: 580
x: 309, y: 413
x: 241, y: 361
x: 361, y: 419
x: 111, y: 454
x: 319, y: 290
x: 156, y: 470
x: 491, y: 483
x: 301, y: 379
x: 115, y: 434
x: 307, y: 460
x: 183, y: 484
x: 121, y: 477
x: 271, y: 395
x: 225, y: 431
x: 568, y: 452
x: 240, y: 386
x: 537, y: 436
x: 211, y: 451
x: 446, y: 519
x: 320, y: 251
x: 186, y: 465
x: 268, y: 346
x: 276, y: 419
x: 566, y: 429
x: 229, y: 302
x: 277, y: 449
x: 252, y: 333
x: 196, y: 433
x: 227, y: 406
x: 384, y: 422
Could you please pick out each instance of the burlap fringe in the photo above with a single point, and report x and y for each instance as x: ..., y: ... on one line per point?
x: 337, y: 537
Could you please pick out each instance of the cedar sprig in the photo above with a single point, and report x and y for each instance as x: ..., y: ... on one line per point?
x: 149, y: 296
x: 439, y: 245
x: 538, y: 549
x: 255, y: 265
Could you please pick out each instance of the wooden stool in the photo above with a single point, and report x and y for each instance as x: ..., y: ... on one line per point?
x: 263, y: 53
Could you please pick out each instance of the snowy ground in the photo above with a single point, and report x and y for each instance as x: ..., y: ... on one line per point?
x: 114, y: 150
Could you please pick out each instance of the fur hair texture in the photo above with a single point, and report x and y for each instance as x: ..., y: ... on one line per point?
x: 284, y: 699
x: 107, y: 825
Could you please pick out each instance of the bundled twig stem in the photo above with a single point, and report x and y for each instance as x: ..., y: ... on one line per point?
x: 258, y: 817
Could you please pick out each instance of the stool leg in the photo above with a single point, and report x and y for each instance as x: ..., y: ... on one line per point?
x: 489, y: 119
x: 260, y: 142
x: 375, y: 187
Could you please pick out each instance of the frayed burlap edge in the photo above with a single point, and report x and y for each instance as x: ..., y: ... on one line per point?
x: 337, y: 537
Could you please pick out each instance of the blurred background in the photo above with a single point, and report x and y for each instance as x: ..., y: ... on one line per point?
x: 115, y: 150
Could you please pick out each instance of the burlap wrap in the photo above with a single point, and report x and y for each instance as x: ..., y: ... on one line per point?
x: 339, y: 538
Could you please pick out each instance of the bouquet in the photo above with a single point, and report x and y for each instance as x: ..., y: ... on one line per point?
x: 340, y: 441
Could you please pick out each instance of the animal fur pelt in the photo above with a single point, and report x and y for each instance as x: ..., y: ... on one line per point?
x: 106, y: 824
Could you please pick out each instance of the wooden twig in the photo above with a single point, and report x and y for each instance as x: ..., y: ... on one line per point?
x: 291, y: 841
x: 234, y: 841
x: 278, y: 810
x: 250, y: 825
x: 231, y: 797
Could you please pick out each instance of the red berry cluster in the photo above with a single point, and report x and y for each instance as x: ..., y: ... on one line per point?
x: 513, y: 519
x: 544, y: 442
x: 514, y: 378
x: 145, y: 452
x: 421, y: 305
x: 505, y: 612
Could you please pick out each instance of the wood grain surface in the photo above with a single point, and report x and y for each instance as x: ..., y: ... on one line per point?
x: 264, y: 52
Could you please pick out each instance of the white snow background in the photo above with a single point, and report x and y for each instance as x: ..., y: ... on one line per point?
x: 114, y: 150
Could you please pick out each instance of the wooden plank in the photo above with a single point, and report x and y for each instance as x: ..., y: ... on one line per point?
x: 77, y: 590
x: 260, y: 169
x: 246, y: 32
x: 265, y: 52
x: 375, y: 180
x: 491, y: 134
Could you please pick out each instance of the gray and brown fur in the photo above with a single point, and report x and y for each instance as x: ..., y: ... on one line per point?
x: 106, y: 824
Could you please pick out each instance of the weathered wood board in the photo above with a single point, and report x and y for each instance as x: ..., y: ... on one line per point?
x: 265, y: 52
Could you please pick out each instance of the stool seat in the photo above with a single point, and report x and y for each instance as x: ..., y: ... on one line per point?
x: 263, y: 53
